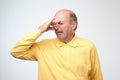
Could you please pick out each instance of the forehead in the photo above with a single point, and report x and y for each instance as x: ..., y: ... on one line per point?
x: 62, y: 16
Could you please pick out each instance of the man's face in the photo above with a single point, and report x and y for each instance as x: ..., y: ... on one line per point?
x: 64, y: 29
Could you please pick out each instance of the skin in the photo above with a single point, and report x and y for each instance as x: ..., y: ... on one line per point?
x: 61, y: 24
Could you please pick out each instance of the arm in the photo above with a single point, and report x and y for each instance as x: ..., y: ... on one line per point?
x: 26, y: 48
x: 95, y: 73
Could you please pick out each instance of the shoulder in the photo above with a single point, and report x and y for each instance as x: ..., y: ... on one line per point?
x: 85, y: 42
x: 46, y: 41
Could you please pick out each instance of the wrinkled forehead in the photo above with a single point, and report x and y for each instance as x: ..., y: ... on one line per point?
x: 61, y: 16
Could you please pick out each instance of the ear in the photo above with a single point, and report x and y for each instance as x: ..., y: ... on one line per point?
x: 74, y: 26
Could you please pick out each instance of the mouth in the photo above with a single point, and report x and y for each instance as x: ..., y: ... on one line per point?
x: 58, y: 32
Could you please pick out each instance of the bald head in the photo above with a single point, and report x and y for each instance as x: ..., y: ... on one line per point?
x: 65, y: 10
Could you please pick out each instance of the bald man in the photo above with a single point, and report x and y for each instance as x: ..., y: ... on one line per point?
x: 65, y: 57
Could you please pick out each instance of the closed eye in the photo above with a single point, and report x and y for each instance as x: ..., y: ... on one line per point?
x: 60, y: 23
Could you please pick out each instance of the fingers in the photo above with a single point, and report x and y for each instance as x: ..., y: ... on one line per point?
x: 47, y: 26
x: 51, y: 28
x: 50, y: 25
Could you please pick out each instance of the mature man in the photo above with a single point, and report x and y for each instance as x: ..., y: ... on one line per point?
x: 66, y: 57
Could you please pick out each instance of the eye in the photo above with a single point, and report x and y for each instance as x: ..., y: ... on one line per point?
x: 57, y: 23
x: 60, y: 23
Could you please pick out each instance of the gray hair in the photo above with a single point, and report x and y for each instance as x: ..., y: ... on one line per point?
x: 73, y: 17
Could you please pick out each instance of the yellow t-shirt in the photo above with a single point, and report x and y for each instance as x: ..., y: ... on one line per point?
x: 76, y: 60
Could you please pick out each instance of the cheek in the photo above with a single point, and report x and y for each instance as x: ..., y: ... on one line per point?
x: 65, y: 31
x: 68, y: 30
x: 65, y: 28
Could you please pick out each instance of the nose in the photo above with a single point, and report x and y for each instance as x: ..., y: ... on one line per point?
x: 56, y: 25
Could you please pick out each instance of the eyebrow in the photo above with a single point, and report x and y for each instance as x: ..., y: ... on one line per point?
x: 58, y: 22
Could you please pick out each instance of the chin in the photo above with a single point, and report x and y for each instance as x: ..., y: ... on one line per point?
x: 61, y: 38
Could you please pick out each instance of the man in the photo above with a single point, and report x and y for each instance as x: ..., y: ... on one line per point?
x: 66, y: 57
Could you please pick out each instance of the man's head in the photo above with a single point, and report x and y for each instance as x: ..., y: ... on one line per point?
x: 65, y: 24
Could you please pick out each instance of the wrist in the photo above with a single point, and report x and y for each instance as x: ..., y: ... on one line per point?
x: 40, y: 29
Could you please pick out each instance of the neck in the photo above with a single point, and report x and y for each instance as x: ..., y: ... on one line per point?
x: 67, y: 40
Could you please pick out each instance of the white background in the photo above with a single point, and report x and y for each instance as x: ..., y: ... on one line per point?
x: 99, y: 21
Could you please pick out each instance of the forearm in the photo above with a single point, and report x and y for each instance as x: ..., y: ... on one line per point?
x: 22, y: 48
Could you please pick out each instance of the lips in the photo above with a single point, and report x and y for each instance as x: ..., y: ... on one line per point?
x: 58, y: 31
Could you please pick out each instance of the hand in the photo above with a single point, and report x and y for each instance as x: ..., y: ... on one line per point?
x: 46, y: 27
